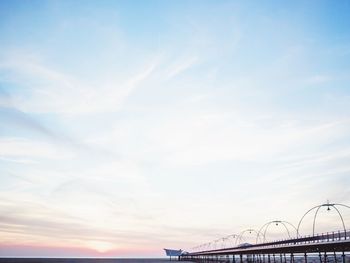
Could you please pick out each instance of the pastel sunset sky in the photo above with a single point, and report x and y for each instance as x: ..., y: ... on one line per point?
x: 129, y: 126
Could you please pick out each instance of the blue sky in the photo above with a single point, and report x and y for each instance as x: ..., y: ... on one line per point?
x: 129, y: 126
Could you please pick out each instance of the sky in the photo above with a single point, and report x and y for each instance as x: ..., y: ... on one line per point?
x: 130, y: 126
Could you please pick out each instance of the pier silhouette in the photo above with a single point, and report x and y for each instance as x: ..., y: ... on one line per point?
x: 326, y: 247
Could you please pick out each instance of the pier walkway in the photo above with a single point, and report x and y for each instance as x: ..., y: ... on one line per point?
x: 316, y: 248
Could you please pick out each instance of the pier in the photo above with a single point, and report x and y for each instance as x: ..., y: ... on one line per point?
x: 319, y: 248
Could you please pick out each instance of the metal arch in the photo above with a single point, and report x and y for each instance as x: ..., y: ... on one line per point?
x: 318, y: 207
x: 272, y: 222
x: 303, y: 218
x: 224, y: 239
x: 250, y: 230
x: 343, y: 205
x: 212, y: 245
x: 209, y: 246
x: 285, y: 228
x: 218, y: 243
x: 293, y: 226
x: 215, y: 242
x: 341, y: 217
x: 330, y: 205
x: 200, y: 248
x: 232, y: 237
x: 277, y: 222
x: 313, y: 223
x: 222, y: 242
x: 267, y: 225
x: 257, y: 237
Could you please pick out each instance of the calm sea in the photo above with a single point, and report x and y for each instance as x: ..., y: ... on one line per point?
x: 85, y: 260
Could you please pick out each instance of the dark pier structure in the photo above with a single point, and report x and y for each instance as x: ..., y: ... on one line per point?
x: 332, y: 247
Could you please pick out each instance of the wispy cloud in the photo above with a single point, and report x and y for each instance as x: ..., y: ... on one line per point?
x: 53, y: 91
x: 181, y: 66
x: 20, y: 147
x: 114, y: 120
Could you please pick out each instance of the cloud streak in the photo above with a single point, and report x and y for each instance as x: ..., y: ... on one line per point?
x: 120, y: 129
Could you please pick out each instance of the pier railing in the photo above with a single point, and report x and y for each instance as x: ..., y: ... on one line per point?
x: 323, y: 237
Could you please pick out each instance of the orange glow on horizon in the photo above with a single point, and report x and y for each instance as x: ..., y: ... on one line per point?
x: 69, y: 251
